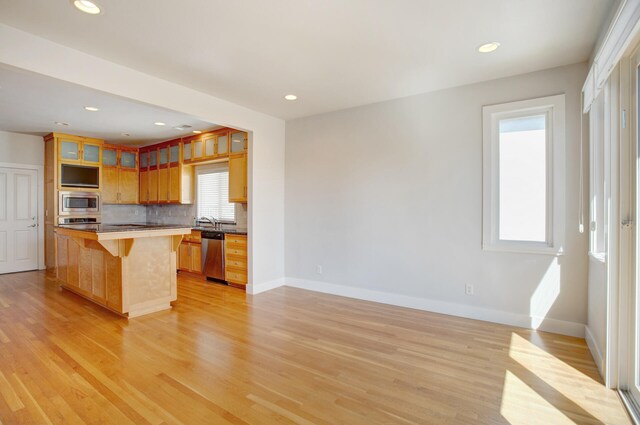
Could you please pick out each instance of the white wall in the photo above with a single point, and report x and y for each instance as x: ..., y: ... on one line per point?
x: 21, y: 148
x: 597, y: 311
x: 387, y: 198
x: 266, y: 141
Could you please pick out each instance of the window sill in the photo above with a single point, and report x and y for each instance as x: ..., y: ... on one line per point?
x: 524, y: 249
x: 600, y: 257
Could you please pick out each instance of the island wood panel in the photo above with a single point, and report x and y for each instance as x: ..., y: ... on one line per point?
x: 152, y: 287
x: 132, y: 273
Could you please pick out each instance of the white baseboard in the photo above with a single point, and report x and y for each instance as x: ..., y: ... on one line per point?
x: 453, y: 309
x: 255, y: 289
x: 595, y: 350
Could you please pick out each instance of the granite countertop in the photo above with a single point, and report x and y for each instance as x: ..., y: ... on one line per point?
x: 230, y: 230
x: 132, y: 227
x: 110, y: 228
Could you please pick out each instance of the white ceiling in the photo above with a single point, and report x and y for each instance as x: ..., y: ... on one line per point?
x: 333, y: 54
x: 31, y: 103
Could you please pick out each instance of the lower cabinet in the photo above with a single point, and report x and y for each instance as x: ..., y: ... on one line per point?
x: 235, y: 259
x: 190, y: 253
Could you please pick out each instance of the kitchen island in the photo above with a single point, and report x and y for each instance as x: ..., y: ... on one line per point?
x: 129, y: 269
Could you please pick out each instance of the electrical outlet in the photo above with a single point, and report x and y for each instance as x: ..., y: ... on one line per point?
x: 468, y: 289
x: 319, y: 269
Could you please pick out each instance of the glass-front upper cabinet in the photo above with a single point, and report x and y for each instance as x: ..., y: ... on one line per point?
x: 174, y: 154
x: 210, y: 145
x: 69, y: 150
x: 186, y: 151
x: 164, y: 156
x: 197, y: 149
x: 238, y: 141
x: 91, y: 153
x: 127, y: 159
x: 109, y: 157
x: 144, y: 159
x: 223, y: 144
x: 153, y: 158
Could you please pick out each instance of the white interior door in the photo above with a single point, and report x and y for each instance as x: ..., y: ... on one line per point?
x: 18, y: 220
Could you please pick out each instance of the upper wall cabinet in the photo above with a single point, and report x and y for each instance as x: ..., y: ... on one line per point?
x: 120, y: 175
x: 239, y: 141
x: 144, y: 176
x: 206, y: 147
x: 80, y: 150
x: 163, y: 177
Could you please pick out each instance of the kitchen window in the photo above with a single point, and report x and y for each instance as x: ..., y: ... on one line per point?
x: 523, y: 184
x: 212, y: 185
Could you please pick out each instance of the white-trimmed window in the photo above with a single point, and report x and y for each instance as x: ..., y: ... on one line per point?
x: 212, y: 185
x: 523, y: 176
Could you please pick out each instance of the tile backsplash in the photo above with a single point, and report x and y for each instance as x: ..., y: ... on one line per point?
x: 113, y: 214
x: 161, y: 214
x: 171, y: 214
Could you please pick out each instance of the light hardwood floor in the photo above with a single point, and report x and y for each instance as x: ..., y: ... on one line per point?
x: 286, y: 356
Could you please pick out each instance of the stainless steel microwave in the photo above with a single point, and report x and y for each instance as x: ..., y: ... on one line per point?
x: 79, y: 203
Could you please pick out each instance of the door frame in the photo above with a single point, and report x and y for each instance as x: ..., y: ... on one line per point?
x: 40, y: 207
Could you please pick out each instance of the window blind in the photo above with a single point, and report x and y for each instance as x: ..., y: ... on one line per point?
x: 213, y: 195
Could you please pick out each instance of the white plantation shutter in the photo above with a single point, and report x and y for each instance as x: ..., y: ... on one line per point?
x: 213, y: 195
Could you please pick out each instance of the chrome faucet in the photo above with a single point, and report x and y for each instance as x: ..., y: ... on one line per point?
x: 211, y: 220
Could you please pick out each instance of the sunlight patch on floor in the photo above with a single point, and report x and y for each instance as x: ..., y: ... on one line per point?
x: 521, y: 405
x: 586, y: 393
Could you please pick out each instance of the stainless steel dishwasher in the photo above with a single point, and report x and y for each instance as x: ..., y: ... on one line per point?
x: 213, y: 255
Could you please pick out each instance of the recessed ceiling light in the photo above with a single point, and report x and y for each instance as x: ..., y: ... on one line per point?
x: 159, y: 123
x: 197, y: 132
x: 91, y: 109
x: 291, y: 97
x: 489, y: 47
x: 87, y: 6
x: 64, y: 124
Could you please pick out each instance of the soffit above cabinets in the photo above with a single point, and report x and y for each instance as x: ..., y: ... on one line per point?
x: 31, y: 103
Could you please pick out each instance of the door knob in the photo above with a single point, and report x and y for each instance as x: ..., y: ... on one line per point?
x: 33, y: 225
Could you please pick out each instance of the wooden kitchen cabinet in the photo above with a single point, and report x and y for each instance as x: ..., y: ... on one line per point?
x: 79, y: 150
x: 165, y: 180
x: 153, y: 177
x: 239, y: 141
x: 238, y: 178
x: 120, y: 175
x: 235, y: 259
x: 206, y: 147
x: 190, y: 253
x: 144, y: 177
